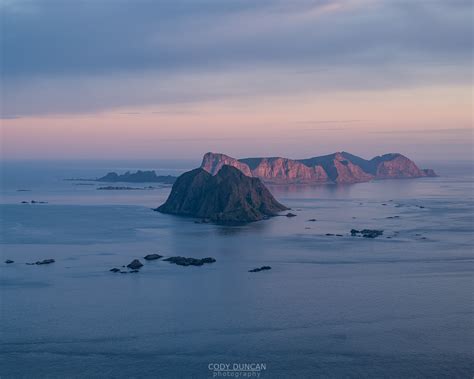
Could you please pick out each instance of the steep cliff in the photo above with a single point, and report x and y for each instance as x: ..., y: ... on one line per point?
x: 229, y: 197
x: 339, y: 168
x: 396, y: 166
x: 283, y: 170
x: 212, y: 163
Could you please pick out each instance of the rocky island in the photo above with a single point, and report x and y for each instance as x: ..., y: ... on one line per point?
x: 339, y: 167
x: 137, y: 177
x: 229, y: 197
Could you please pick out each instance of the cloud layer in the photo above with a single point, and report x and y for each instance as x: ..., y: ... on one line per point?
x: 89, y: 56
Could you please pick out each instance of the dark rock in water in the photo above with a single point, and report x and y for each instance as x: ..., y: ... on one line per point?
x: 132, y: 271
x: 367, y: 233
x: 208, y: 260
x: 9, y: 261
x: 183, y: 261
x: 120, y: 188
x: 124, y: 188
x: 429, y: 172
x: 230, y: 197
x: 114, y: 270
x: 339, y: 235
x: 45, y: 262
x: 24, y: 202
x: 290, y: 215
x: 258, y: 269
x: 135, y: 264
x: 312, y: 220
x: 329, y: 234
x: 152, y: 257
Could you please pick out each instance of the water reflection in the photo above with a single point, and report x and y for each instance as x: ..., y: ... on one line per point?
x: 311, y: 190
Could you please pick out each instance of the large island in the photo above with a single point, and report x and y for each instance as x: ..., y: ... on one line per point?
x: 339, y: 167
x: 229, y: 197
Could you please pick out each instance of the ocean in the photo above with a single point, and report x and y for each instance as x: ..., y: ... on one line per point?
x: 400, y: 305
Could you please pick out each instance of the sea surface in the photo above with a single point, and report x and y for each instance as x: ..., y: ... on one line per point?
x: 397, y: 306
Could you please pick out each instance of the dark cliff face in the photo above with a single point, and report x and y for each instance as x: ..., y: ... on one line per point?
x: 229, y: 197
x: 333, y: 168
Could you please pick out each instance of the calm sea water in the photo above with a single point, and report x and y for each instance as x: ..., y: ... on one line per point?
x: 332, y: 306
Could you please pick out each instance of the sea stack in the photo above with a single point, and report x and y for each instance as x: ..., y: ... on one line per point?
x: 229, y: 197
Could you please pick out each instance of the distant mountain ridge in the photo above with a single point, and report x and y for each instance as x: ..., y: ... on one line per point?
x: 340, y: 167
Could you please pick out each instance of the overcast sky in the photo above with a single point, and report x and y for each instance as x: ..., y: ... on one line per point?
x: 160, y: 79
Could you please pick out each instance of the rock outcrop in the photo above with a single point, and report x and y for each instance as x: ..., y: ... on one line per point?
x: 366, y: 233
x: 339, y: 167
x: 183, y: 261
x: 429, y: 172
x: 43, y: 262
x: 229, y: 197
x: 258, y: 269
x: 135, y: 264
x: 152, y: 257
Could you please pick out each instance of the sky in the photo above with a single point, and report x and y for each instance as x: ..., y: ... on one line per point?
x: 145, y: 79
